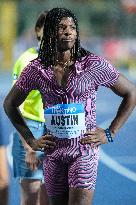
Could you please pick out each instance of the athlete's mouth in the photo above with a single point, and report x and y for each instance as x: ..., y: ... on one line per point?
x: 67, y: 40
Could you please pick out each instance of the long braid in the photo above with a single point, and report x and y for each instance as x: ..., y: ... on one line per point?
x: 48, y: 48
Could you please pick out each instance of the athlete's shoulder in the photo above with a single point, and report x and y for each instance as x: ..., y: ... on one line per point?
x: 89, y: 61
x: 94, y: 62
x: 92, y: 57
x: 36, y: 64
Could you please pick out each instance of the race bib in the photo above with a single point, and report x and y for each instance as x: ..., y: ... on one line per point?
x: 65, y: 120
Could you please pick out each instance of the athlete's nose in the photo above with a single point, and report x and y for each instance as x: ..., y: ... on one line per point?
x: 68, y: 32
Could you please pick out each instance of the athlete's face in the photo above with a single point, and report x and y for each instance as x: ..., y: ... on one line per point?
x: 67, y: 34
x: 39, y: 34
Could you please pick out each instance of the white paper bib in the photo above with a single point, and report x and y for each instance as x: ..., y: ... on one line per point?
x: 65, y: 120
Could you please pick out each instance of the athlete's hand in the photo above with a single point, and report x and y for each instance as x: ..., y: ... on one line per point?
x: 96, y: 137
x: 43, y: 143
x: 32, y: 160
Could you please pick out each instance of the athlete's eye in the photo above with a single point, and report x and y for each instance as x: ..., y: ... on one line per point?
x: 74, y: 27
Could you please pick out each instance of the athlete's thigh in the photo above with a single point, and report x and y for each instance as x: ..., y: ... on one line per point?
x: 78, y: 196
x: 83, y: 171
x: 56, y: 177
x: 82, y: 176
x: 56, y: 181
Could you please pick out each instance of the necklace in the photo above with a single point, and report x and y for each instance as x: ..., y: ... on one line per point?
x: 64, y: 64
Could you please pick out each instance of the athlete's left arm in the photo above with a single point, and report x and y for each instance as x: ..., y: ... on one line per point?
x: 127, y: 90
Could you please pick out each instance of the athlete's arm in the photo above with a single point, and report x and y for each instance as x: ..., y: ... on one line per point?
x: 11, y: 103
x: 11, y: 106
x: 127, y: 90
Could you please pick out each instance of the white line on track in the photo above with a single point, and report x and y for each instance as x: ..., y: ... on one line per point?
x: 113, y: 164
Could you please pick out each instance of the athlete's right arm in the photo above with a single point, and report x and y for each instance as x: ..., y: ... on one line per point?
x: 17, y: 69
x: 11, y: 106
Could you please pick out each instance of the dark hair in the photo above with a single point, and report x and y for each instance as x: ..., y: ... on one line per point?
x: 40, y: 20
x: 48, y: 48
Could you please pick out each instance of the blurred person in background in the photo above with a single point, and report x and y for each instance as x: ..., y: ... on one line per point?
x: 68, y: 77
x: 27, y: 163
x: 4, y: 178
x: 3, y: 175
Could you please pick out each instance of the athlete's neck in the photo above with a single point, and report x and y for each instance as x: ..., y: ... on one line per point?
x: 64, y: 56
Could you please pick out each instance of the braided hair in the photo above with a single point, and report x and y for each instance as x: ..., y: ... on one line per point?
x: 48, y: 48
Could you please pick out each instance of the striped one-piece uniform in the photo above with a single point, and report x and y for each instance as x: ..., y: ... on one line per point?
x: 70, y: 164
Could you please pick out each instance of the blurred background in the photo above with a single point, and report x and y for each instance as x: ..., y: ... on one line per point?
x: 107, y: 28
